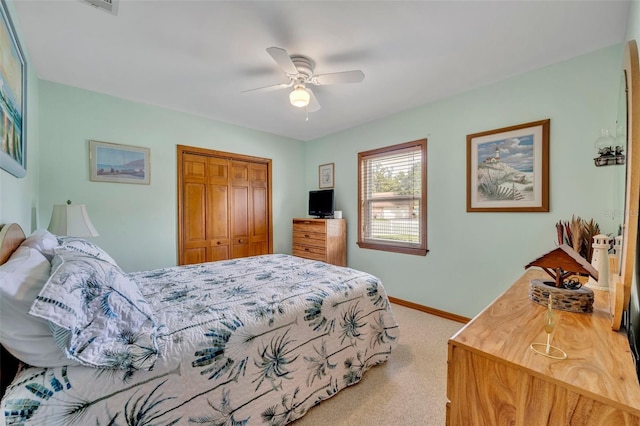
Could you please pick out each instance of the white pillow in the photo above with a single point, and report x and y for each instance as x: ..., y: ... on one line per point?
x: 27, y: 338
x: 43, y: 241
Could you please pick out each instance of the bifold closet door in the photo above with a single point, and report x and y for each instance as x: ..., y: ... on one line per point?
x: 249, y: 203
x: 259, y: 226
x: 224, y: 206
x: 205, y: 210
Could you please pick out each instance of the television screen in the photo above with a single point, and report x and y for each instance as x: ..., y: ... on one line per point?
x: 321, y: 203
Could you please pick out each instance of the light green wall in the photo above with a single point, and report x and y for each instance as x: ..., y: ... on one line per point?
x: 138, y: 223
x: 19, y: 197
x: 475, y: 256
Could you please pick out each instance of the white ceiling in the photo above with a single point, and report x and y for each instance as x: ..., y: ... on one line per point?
x: 198, y: 56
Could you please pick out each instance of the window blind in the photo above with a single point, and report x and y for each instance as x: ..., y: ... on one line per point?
x: 392, y: 186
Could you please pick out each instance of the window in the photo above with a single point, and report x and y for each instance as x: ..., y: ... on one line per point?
x: 392, y: 198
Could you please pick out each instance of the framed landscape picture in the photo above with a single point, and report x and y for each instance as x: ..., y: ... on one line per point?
x: 111, y: 162
x: 13, y: 99
x: 508, y: 169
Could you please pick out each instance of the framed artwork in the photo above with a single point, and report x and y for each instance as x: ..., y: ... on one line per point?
x: 325, y: 175
x: 508, y: 169
x: 13, y: 99
x: 112, y: 162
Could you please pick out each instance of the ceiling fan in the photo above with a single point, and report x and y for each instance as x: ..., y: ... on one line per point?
x: 299, y: 71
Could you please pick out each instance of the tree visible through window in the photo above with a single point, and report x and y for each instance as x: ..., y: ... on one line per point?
x: 392, y: 196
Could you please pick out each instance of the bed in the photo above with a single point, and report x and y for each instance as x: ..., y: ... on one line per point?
x: 249, y: 341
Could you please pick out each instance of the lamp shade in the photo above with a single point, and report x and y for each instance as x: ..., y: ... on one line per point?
x: 71, y: 220
x: 299, y: 97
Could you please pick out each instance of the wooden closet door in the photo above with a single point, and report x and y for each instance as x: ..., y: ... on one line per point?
x: 240, y: 208
x: 205, y: 203
x: 194, y: 238
x: 224, y: 206
x: 259, y: 217
x: 217, y: 209
x: 249, y: 209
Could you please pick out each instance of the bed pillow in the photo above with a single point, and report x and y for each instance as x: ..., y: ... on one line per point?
x: 85, y: 247
x: 110, y: 323
x: 43, y: 241
x: 27, y: 338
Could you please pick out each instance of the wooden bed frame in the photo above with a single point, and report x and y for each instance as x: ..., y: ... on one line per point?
x: 11, y: 235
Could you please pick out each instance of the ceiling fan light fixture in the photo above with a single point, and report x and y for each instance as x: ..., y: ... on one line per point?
x: 299, y: 97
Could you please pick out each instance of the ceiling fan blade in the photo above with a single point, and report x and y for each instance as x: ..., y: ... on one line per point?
x: 283, y: 59
x: 269, y: 88
x: 355, y: 76
x: 314, y: 105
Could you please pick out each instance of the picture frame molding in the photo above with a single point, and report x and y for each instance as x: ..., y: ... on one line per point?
x: 326, y: 176
x: 94, y: 171
x: 9, y: 163
x: 540, y: 203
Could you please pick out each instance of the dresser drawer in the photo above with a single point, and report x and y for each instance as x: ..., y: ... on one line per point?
x: 309, y: 239
x: 320, y: 239
x: 315, y: 253
x: 309, y: 226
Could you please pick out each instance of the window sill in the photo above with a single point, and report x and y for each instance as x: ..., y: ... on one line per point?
x: 417, y: 251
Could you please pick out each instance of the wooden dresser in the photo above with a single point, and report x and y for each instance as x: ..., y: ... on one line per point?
x: 321, y: 239
x: 494, y: 378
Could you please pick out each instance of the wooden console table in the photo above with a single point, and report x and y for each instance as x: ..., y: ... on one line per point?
x: 494, y: 378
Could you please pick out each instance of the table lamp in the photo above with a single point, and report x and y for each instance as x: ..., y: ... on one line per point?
x: 71, y: 220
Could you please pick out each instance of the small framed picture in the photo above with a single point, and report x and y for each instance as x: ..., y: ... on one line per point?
x: 112, y: 162
x: 325, y: 175
x: 508, y: 169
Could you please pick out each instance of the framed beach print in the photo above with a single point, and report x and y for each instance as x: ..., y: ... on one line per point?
x: 508, y: 169
x: 112, y: 162
x: 325, y: 175
x: 13, y: 99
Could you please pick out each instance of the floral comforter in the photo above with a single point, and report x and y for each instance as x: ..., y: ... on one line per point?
x: 248, y: 341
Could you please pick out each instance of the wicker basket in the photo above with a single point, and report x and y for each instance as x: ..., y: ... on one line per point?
x: 580, y: 300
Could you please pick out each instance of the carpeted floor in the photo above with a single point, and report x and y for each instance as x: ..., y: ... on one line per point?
x: 409, y: 389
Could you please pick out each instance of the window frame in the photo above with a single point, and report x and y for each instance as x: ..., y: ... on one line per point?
x: 419, y: 249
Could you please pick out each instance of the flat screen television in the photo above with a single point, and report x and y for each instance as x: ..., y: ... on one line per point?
x: 321, y: 203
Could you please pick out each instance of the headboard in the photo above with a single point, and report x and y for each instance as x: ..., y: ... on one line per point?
x: 11, y: 235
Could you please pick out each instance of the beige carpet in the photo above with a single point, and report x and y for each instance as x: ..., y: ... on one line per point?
x: 409, y: 389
